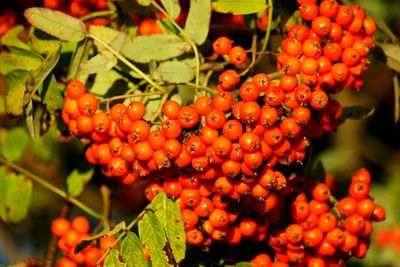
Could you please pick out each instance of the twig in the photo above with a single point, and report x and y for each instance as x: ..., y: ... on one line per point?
x: 50, y: 258
x: 29, y: 263
x: 51, y: 187
x: 105, y: 195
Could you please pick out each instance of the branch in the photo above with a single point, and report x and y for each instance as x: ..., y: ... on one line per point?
x: 51, y: 187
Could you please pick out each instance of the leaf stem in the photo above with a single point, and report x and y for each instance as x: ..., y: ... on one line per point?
x: 187, y: 39
x: 51, y: 187
x: 268, y: 30
x: 128, y: 228
x: 204, y: 88
x: 103, y: 13
x: 126, y: 61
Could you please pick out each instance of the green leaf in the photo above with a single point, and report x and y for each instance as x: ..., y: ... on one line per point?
x: 111, y: 81
x: 78, y: 178
x: 43, y: 148
x: 56, y: 23
x: 172, y: 7
x: 239, y: 7
x: 356, y: 113
x: 294, y: 19
x: 18, y: 59
x: 112, y: 260
x: 170, y: 216
x: 392, y: 53
x: 109, y: 36
x: 81, y: 53
x: 132, y: 251
x: 151, y: 234
x: 174, y: 72
x: 38, y: 76
x: 158, y: 47
x: 16, y: 141
x: 43, y: 43
x: 144, y: 2
x: 51, y: 94
x: 186, y: 94
x: 14, y: 101
x: 198, y: 20
x: 11, y: 38
x: 102, y: 62
x: 152, y: 104
x: 3, y: 191
x: 16, y: 196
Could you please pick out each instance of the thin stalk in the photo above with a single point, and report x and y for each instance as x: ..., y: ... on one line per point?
x: 52, y: 188
x: 187, y: 39
x: 160, y: 106
x: 119, y: 238
x: 204, y: 88
x: 268, y: 30
x: 126, y: 62
x: 103, y: 13
x: 253, y: 51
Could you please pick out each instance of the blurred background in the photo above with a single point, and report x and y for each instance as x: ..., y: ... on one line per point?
x: 373, y: 143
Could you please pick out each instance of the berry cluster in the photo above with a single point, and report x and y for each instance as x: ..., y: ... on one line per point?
x: 72, y: 233
x: 332, y: 54
x: 323, y: 231
x: 219, y: 157
x: 78, y: 8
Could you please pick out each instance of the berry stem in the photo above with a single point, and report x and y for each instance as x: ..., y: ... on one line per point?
x: 187, y: 39
x: 253, y: 55
x: 51, y: 187
x: 160, y: 106
x: 275, y: 75
x: 126, y: 62
x: 119, y: 97
x: 268, y: 30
